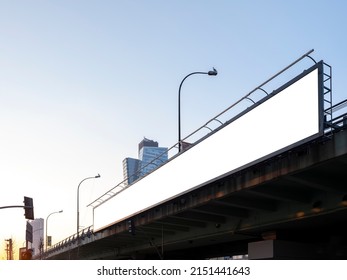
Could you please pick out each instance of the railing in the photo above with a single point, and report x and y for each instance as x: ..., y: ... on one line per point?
x: 69, y: 241
x: 340, y: 121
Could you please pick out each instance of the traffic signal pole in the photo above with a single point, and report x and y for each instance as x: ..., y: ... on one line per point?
x: 14, y: 206
x: 17, y: 206
x: 28, y: 208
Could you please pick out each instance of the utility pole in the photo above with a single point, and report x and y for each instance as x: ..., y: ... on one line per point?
x: 9, y: 249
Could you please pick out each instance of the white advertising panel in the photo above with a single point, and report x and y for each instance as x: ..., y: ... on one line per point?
x: 290, y: 116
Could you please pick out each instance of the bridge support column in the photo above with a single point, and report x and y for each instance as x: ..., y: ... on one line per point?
x: 280, y: 249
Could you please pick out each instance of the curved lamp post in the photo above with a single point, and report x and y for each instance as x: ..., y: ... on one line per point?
x: 47, y: 225
x: 210, y: 73
x: 78, y: 201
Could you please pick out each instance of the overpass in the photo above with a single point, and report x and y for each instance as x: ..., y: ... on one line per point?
x: 290, y: 203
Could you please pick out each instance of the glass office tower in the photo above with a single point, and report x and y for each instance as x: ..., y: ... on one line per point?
x: 131, y: 168
x: 151, y: 156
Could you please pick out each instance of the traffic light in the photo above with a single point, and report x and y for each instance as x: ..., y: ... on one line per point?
x: 28, y: 208
x: 49, y: 241
x: 131, y: 227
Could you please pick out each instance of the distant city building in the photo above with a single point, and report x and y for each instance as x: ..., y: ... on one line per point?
x: 150, y: 156
x: 147, y: 143
x: 131, y: 170
x: 38, y: 235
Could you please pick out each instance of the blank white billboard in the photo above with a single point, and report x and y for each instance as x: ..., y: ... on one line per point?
x: 291, y: 116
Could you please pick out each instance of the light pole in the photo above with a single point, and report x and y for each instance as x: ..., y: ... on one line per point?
x: 210, y: 73
x: 47, y: 225
x: 78, y: 201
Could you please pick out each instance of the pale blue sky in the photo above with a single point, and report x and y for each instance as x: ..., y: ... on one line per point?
x: 82, y: 82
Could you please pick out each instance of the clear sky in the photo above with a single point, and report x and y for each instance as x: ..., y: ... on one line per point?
x: 82, y: 82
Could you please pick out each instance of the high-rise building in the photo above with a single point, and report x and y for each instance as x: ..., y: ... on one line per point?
x: 147, y: 143
x: 131, y: 170
x: 38, y: 236
x: 150, y: 155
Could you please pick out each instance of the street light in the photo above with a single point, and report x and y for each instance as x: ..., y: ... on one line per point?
x: 210, y: 73
x: 78, y: 201
x: 47, y: 225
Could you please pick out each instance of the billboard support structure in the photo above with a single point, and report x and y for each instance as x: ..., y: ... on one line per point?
x: 327, y: 95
